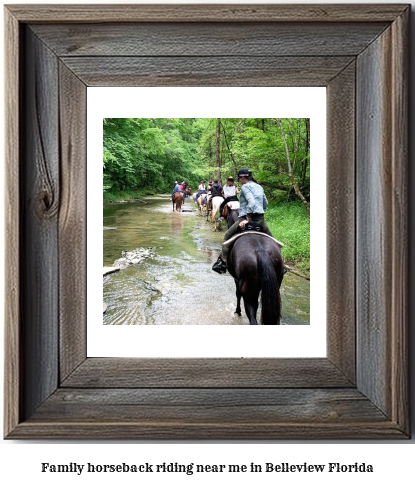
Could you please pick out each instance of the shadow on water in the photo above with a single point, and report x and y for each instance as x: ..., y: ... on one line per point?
x: 177, y: 286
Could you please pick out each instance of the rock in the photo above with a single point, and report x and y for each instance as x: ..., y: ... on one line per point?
x: 136, y: 256
x: 105, y: 307
x: 109, y: 270
x: 162, y: 288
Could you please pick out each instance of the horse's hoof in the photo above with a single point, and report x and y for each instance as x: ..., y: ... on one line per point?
x: 238, y: 313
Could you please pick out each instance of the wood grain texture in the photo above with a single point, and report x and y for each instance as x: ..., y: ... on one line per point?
x: 203, y: 39
x: 206, y: 373
x: 149, y: 430
x: 207, y: 71
x: 209, y: 405
x: 12, y: 384
x: 400, y: 261
x: 39, y: 256
x: 72, y: 222
x: 341, y: 237
x: 382, y: 223
x: 207, y: 13
x: 373, y: 207
x: 207, y: 399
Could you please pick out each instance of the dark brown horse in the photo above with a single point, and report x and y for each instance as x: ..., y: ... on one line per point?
x: 230, y: 215
x: 255, y: 263
x: 178, y: 200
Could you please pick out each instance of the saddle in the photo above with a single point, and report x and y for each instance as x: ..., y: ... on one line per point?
x: 230, y: 241
x: 253, y: 227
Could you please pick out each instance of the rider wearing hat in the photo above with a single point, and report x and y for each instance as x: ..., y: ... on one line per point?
x: 253, y: 204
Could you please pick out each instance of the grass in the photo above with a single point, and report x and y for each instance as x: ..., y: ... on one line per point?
x: 290, y: 224
x: 116, y: 196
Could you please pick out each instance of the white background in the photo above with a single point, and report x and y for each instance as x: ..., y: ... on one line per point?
x: 235, y: 341
x: 393, y: 462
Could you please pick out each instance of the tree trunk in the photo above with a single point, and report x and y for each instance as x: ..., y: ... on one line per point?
x: 218, y: 177
x: 307, y: 149
x: 290, y: 170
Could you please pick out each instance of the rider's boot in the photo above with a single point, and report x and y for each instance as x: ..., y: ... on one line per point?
x: 220, y: 265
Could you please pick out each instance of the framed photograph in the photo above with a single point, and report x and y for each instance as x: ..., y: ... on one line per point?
x: 170, y: 303
x: 359, y: 53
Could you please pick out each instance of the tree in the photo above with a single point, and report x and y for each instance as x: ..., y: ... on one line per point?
x: 290, y: 169
x: 217, y: 147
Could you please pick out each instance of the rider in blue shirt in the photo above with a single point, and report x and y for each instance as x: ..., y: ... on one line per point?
x: 253, y: 204
x: 176, y: 188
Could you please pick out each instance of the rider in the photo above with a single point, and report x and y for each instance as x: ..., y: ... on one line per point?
x: 176, y: 189
x: 230, y: 192
x: 183, y: 190
x: 253, y: 204
x: 215, y: 190
x: 202, y: 189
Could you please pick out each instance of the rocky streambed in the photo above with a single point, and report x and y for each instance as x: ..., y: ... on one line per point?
x: 137, y: 256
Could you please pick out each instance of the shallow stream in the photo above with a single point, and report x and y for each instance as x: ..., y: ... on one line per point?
x: 177, y: 285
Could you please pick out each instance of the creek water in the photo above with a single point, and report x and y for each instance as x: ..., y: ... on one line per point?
x: 177, y: 285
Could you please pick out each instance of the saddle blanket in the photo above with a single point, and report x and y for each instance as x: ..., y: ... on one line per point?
x: 233, y: 239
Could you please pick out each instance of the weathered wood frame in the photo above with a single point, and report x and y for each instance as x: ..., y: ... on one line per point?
x: 359, y: 52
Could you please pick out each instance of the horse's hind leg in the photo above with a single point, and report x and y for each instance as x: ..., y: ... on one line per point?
x: 251, y: 308
x: 238, y: 299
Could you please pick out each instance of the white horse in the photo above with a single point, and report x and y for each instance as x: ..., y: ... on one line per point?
x: 216, y: 203
x: 201, y: 203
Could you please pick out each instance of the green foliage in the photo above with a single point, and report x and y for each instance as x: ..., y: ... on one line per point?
x: 290, y: 224
x: 149, y: 155
x: 153, y: 153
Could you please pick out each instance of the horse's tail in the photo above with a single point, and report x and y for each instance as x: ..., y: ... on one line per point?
x: 271, y: 301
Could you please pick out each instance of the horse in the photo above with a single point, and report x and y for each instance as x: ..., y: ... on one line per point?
x: 216, y: 202
x: 255, y: 263
x: 178, y: 200
x: 188, y: 191
x: 208, y: 197
x: 231, y: 212
x: 201, y: 202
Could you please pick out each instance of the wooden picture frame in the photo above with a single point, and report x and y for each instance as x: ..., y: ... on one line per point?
x: 360, y: 53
